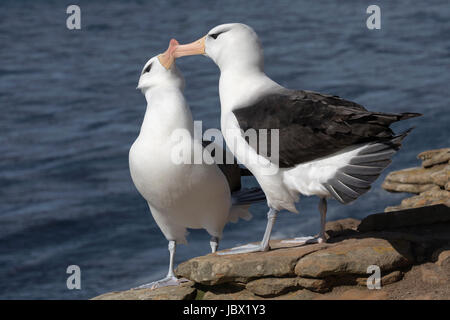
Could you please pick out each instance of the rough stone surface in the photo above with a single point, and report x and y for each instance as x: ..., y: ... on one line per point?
x: 267, y: 287
x: 430, y: 182
x: 414, y: 175
x: 412, y: 248
x: 301, y: 294
x: 352, y: 293
x: 391, y: 278
x: 271, y: 286
x: 441, y: 177
x: 413, y: 287
x: 237, y: 295
x: 353, y: 256
x: 407, y: 187
x: 427, y: 198
x: 214, y: 269
x: 432, y: 157
x: 442, y: 257
x: 433, y: 274
x: 341, y: 227
x: 165, y: 293
x: 385, y: 280
x: 316, y: 285
x: 336, y: 270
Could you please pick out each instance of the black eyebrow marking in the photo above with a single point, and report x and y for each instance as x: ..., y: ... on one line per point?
x: 215, y: 35
x: 148, y: 68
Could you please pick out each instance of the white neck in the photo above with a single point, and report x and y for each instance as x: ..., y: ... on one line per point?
x: 240, y: 88
x: 162, y: 89
x: 167, y: 111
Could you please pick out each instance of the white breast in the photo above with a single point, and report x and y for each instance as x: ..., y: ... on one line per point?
x: 180, y: 195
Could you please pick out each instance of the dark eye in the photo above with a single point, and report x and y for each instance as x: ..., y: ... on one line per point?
x: 215, y: 35
x: 149, y: 67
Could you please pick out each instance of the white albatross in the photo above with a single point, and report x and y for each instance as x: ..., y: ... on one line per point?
x: 182, y: 195
x: 328, y: 146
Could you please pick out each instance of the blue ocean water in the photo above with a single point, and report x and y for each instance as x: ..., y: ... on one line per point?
x: 70, y: 112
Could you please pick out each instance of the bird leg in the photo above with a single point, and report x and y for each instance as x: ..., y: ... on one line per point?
x: 271, y: 217
x: 323, y: 219
x: 170, y: 279
x: 321, y: 237
x: 214, y: 243
x: 264, y: 245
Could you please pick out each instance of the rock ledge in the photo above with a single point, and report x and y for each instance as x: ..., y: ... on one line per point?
x: 411, y: 248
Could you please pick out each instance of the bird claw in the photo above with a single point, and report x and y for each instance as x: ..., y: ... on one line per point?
x: 248, y: 248
x: 304, y: 240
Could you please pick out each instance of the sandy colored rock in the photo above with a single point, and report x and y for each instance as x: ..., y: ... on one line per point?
x: 301, y: 294
x: 416, y: 175
x: 412, y: 248
x: 430, y: 182
x: 391, y: 278
x: 442, y: 257
x: 407, y: 187
x: 433, y: 274
x: 316, y: 285
x: 275, y: 286
x: 442, y: 177
x: 412, y: 287
x: 341, y: 227
x: 214, y: 269
x: 165, y: 293
x: 385, y: 280
x: 238, y: 295
x: 427, y: 198
x: 271, y: 286
x: 355, y: 294
x: 353, y: 256
x: 432, y: 157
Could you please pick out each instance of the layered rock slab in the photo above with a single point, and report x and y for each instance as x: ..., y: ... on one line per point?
x: 354, y: 256
x: 183, y: 292
x: 214, y: 269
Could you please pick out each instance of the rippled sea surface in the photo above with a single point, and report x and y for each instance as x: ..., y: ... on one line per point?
x: 70, y: 112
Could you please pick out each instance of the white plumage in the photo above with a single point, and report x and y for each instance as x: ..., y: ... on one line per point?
x: 363, y: 139
x: 183, y: 195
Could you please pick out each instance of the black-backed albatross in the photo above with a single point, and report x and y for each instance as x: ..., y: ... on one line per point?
x: 181, y: 195
x: 328, y: 146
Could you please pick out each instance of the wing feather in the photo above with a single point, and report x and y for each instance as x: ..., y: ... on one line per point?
x: 313, y: 125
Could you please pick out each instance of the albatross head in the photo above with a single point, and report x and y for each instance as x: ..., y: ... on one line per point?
x: 161, y: 70
x: 228, y: 45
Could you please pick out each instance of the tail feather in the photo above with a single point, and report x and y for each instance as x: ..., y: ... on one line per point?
x: 376, y: 157
x: 241, y: 201
x: 245, y: 172
x: 353, y: 169
x: 351, y: 180
x: 409, y: 115
x: 239, y: 212
x: 355, y: 178
x: 247, y: 196
x: 388, y: 118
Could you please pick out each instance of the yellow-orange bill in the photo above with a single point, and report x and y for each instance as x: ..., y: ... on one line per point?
x: 167, y: 58
x: 193, y: 48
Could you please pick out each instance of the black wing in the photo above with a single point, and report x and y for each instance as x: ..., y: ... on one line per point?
x: 232, y: 171
x: 313, y: 125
